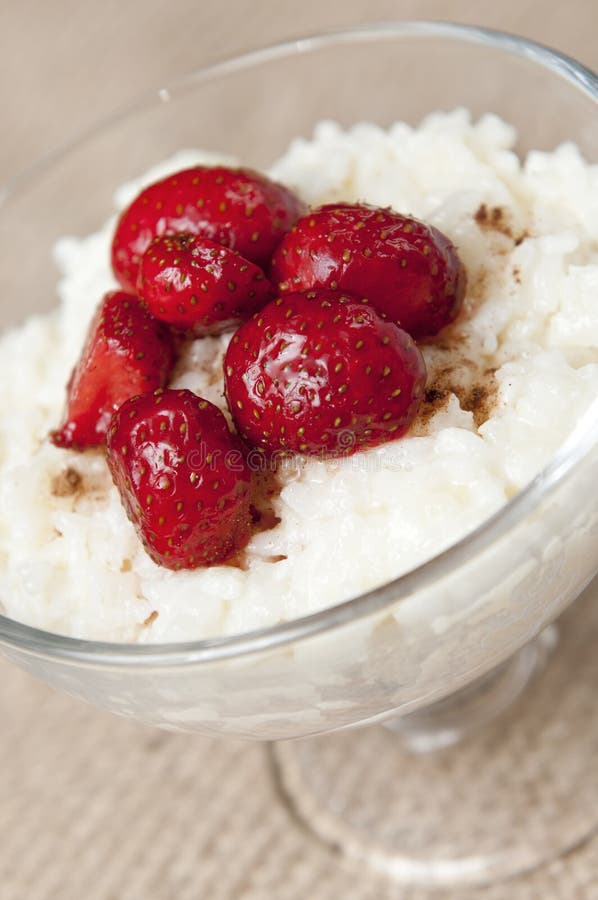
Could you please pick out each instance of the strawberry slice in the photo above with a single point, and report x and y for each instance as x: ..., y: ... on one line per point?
x: 407, y: 270
x: 192, y: 282
x: 239, y: 208
x: 182, y: 477
x: 127, y: 351
x: 321, y: 374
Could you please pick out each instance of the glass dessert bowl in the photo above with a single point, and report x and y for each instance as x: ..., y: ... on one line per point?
x: 435, y: 651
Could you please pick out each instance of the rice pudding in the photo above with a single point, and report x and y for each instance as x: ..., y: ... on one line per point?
x: 506, y: 385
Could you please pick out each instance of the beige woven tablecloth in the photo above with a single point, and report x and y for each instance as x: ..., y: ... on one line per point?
x: 97, y: 808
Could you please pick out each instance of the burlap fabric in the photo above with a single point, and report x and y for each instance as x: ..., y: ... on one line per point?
x: 96, y: 808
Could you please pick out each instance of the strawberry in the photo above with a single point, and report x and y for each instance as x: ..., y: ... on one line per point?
x: 127, y: 351
x: 192, y: 282
x: 319, y: 373
x: 238, y: 208
x: 182, y: 477
x: 408, y: 271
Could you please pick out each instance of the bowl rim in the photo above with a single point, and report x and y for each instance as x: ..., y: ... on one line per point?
x: 77, y: 651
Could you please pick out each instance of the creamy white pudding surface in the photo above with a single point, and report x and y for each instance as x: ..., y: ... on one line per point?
x: 506, y: 387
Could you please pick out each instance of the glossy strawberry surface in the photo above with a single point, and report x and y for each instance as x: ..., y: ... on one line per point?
x: 182, y: 476
x: 407, y: 270
x: 194, y: 283
x: 127, y: 352
x: 321, y: 374
x: 238, y: 208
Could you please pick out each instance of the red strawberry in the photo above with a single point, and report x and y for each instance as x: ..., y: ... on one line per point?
x: 238, y: 208
x: 319, y: 373
x: 182, y: 477
x: 127, y: 351
x: 192, y: 282
x: 407, y: 270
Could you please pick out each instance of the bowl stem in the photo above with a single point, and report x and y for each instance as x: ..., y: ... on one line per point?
x: 453, y: 719
x: 437, y: 800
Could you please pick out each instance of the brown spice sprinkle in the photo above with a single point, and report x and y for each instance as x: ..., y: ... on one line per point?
x: 476, y: 392
x: 434, y: 400
x: 493, y: 218
x: 454, y: 368
x: 496, y: 218
x: 480, y: 398
x: 67, y: 483
x: 265, y: 487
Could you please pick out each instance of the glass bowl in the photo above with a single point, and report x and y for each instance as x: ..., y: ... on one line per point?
x: 448, y: 623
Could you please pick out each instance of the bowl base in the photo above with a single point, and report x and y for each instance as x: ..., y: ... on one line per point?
x: 501, y: 801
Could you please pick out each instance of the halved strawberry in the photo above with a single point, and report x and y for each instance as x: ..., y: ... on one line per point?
x: 182, y: 476
x: 407, y: 270
x: 238, y: 208
x: 192, y: 282
x: 127, y: 352
x: 321, y: 374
